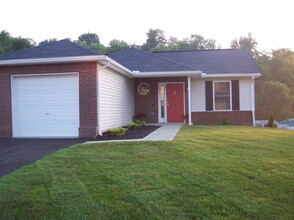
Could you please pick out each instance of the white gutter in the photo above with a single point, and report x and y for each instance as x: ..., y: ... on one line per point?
x: 137, y: 74
x: 52, y: 60
x: 253, y: 101
x: 189, y: 100
x: 99, y: 96
x: 224, y: 75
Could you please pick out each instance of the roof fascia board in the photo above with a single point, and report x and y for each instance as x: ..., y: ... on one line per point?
x: 54, y: 60
x: 166, y: 74
x: 228, y: 75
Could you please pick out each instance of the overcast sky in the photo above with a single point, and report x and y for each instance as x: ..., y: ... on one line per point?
x: 270, y: 21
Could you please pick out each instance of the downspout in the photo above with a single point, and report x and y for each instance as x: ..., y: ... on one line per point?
x: 253, y: 101
x: 99, y: 95
x: 189, y: 100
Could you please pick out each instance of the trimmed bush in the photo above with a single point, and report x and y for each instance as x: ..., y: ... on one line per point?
x: 271, y: 121
x: 134, y: 125
x: 117, y: 131
x: 140, y: 117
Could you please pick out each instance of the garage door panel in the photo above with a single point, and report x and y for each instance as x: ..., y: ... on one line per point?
x: 46, y: 106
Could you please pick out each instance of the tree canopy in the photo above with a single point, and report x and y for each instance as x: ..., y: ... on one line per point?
x: 51, y: 40
x: 248, y: 42
x: 156, y: 40
x: 10, y: 44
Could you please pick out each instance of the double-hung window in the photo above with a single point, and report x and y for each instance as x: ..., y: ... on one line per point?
x: 222, y: 95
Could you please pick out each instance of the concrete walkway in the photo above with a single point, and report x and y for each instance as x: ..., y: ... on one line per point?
x: 166, y: 132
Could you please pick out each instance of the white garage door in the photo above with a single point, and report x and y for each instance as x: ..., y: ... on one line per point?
x: 45, y: 106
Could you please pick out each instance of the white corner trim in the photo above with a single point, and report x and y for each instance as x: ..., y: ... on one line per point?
x: 229, y: 75
x: 189, y: 101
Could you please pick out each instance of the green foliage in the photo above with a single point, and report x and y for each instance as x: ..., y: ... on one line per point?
x: 275, y: 88
x: 9, y: 44
x: 117, y: 131
x: 246, y: 43
x: 134, y: 124
x: 208, y: 172
x: 51, y: 40
x: 89, y: 38
x: 157, y: 41
x: 117, y: 45
x: 95, y: 46
x: 271, y: 121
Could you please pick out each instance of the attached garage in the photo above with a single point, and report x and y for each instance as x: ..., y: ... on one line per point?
x: 45, y: 105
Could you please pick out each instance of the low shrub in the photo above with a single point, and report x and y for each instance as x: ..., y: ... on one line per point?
x: 117, y: 131
x: 224, y: 121
x: 134, y: 124
x: 140, y: 117
x: 271, y: 121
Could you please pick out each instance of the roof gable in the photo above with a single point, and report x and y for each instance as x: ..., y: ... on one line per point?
x: 137, y: 60
x: 214, y: 61
x: 62, y: 48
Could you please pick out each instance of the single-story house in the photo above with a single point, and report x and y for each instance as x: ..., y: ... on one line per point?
x: 64, y: 90
x: 286, y: 124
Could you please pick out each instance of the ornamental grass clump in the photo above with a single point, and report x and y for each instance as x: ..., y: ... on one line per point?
x: 134, y: 124
x: 117, y: 131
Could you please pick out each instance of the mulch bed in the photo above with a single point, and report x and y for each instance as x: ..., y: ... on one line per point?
x: 131, y: 133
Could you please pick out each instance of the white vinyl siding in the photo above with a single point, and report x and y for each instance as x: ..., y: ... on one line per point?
x: 198, y: 95
x: 117, y: 99
x: 245, y: 94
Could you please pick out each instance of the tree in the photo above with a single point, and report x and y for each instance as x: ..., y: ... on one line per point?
x: 117, y: 45
x: 271, y: 121
x: 277, y: 66
x: 89, y: 38
x: 155, y: 40
x: 246, y: 43
x: 51, y: 40
x: 95, y: 46
x: 274, y: 97
x: 10, y: 44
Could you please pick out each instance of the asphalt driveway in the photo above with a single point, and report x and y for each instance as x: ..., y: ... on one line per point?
x: 16, y: 153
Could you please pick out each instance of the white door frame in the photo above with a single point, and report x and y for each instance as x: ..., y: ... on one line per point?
x: 164, y: 120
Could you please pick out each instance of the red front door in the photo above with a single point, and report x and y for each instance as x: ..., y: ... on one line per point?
x: 175, y: 102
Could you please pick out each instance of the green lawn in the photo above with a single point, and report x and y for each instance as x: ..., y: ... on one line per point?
x: 208, y: 172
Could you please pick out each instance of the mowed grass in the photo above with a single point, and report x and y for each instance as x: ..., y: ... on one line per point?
x: 208, y: 172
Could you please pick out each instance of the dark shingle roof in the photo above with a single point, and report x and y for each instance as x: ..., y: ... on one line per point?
x: 62, y: 48
x: 137, y: 60
x: 215, y: 61
x: 208, y: 61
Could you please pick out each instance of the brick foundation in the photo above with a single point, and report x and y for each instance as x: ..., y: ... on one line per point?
x: 214, y: 118
x: 87, y: 93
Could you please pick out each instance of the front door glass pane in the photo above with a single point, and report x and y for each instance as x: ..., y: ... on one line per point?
x: 162, y: 101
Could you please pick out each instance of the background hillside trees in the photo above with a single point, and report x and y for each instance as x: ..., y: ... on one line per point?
x: 10, y: 44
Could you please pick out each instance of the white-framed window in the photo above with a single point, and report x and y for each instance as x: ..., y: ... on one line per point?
x: 222, y: 95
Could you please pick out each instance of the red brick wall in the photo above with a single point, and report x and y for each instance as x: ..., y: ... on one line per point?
x: 87, y: 88
x: 149, y: 103
x: 214, y: 118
